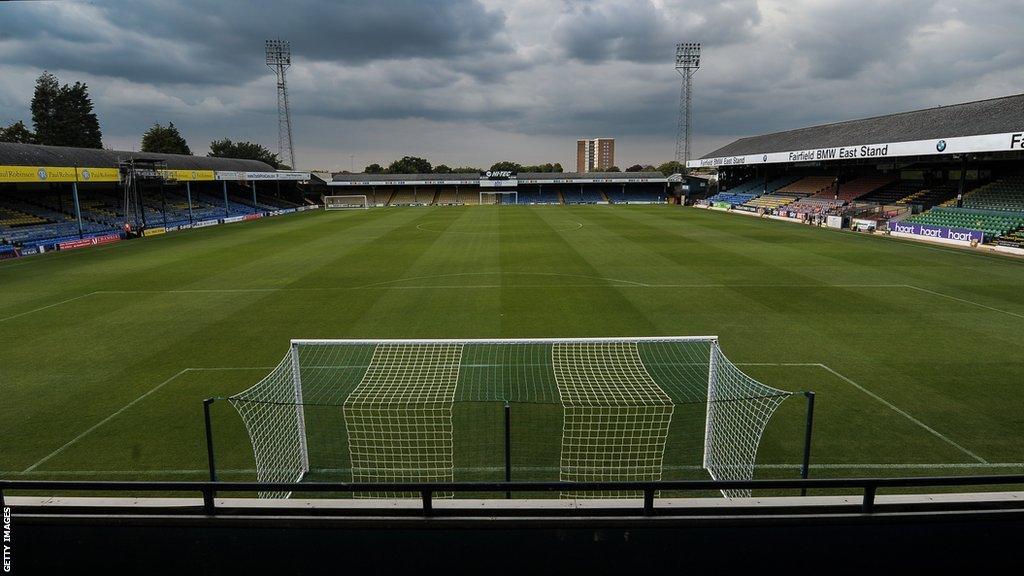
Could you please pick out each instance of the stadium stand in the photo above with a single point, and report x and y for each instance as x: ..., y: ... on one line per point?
x: 1014, y: 237
x: 858, y: 187
x: 40, y: 209
x: 583, y: 196
x: 992, y: 223
x: 426, y: 195
x: 446, y: 197
x: 932, y: 195
x: 809, y: 185
x: 830, y: 201
x: 770, y: 201
x: 894, y: 191
x: 1003, y: 194
x: 403, y: 197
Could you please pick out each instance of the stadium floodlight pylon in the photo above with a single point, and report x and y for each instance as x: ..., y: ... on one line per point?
x: 687, y: 64
x: 346, y: 202
x: 611, y: 409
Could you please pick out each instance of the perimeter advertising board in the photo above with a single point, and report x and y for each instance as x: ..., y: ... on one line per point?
x: 964, y: 236
x: 86, y: 242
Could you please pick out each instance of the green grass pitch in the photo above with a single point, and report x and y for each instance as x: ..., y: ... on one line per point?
x: 915, y: 351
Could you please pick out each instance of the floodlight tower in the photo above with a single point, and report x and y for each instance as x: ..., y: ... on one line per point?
x: 687, y: 63
x: 279, y: 59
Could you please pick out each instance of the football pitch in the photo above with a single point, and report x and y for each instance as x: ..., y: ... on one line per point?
x: 915, y: 352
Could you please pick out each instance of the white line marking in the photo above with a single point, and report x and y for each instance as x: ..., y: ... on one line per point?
x: 134, y: 402
x: 461, y: 274
x: 981, y: 462
x: 41, y: 308
x: 794, y: 466
x: 893, y: 407
x: 607, y: 282
x: 578, y: 226
x: 885, y: 402
x: 104, y: 421
x: 964, y: 300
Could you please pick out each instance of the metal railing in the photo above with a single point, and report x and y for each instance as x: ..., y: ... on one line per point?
x: 868, y: 487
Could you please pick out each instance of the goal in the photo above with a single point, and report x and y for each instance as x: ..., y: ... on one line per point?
x: 345, y: 202
x: 584, y: 409
x: 499, y: 197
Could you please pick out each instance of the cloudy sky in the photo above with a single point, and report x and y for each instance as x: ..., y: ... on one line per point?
x: 476, y: 81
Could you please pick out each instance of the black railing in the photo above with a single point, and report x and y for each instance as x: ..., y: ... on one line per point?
x: 868, y: 487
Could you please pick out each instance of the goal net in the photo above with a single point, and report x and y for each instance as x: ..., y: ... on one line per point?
x: 499, y: 197
x: 593, y: 409
x: 348, y: 202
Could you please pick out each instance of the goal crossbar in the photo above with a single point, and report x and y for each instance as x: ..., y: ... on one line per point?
x: 346, y: 202
x: 427, y: 341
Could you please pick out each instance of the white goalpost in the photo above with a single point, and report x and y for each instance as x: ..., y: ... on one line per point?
x: 499, y: 195
x: 589, y: 409
x: 346, y: 202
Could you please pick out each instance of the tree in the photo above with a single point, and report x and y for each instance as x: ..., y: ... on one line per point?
x: 635, y: 168
x: 17, y: 133
x: 63, y: 115
x: 245, y: 150
x: 442, y: 169
x: 44, y: 109
x: 164, y: 140
x: 549, y: 167
x: 80, y: 125
x: 507, y: 165
x: 374, y: 169
x: 614, y: 169
x: 466, y: 170
x: 672, y: 167
x: 409, y: 165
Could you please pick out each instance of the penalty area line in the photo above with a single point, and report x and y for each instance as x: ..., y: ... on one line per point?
x: 47, y: 307
x: 883, y: 401
x: 121, y: 410
x: 906, y: 415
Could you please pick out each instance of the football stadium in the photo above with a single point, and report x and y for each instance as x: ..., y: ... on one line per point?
x: 805, y: 340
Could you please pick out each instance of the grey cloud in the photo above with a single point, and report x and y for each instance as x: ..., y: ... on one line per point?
x: 839, y: 40
x: 638, y: 31
x: 172, y: 42
x: 532, y: 74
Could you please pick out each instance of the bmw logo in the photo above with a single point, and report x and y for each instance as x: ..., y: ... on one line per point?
x: 941, y: 145
x: 85, y: 174
x: 41, y: 173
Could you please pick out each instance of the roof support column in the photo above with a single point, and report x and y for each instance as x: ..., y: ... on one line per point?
x: 188, y: 194
x: 963, y: 182
x: 254, y: 197
x: 163, y: 203
x: 78, y: 209
x: 224, y: 185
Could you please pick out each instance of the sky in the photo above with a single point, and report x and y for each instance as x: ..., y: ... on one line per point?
x: 472, y: 82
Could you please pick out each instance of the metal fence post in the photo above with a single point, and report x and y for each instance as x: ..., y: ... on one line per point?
x: 805, y: 468
x: 209, y: 439
x: 508, y: 446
